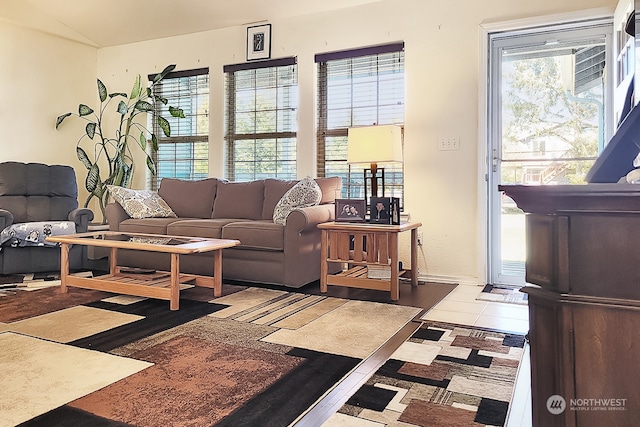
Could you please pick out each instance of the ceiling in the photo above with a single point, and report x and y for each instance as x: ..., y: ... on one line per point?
x: 103, y: 23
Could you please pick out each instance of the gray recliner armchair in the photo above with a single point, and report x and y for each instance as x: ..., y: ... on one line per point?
x: 35, y: 192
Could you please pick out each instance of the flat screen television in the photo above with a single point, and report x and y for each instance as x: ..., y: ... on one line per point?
x: 616, y: 160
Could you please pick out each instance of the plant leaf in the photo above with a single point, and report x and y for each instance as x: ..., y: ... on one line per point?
x: 150, y: 165
x: 128, y: 174
x: 99, y: 190
x: 82, y: 156
x: 143, y: 141
x: 122, y: 108
x: 165, y: 101
x: 61, y: 118
x: 113, y: 95
x: 154, y: 142
x: 143, y: 106
x: 176, y: 112
x: 137, y: 88
x: 164, y: 125
x: 90, y: 129
x: 93, y: 178
x: 84, y: 110
x: 102, y: 91
x: 118, y: 177
x: 161, y: 75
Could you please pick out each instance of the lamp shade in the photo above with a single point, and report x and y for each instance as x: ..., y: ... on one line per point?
x: 374, y: 144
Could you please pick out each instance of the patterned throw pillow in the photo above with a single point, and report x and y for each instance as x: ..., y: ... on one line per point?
x: 305, y: 193
x: 141, y: 203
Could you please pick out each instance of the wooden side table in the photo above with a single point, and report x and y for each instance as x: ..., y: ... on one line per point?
x: 360, y: 245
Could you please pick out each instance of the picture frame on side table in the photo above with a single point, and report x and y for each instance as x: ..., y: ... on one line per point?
x: 259, y: 42
x: 350, y: 210
x: 385, y: 210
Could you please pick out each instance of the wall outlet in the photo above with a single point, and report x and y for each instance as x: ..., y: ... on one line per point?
x: 419, y: 238
x: 447, y: 144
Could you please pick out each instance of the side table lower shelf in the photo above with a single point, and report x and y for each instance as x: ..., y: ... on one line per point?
x: 358, y: 277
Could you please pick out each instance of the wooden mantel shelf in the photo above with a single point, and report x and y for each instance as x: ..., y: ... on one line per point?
x: 552, y: 199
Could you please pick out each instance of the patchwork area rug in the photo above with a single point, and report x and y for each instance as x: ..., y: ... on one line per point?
x: 252, y: 357
x: 503, y: 294
x: 29, y: 282
x: 444, y: 375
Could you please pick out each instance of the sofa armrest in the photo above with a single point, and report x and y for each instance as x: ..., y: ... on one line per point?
x: 6, y: 219
x: 115, y: 215
x: 82, y: 217
x: 305, y: 219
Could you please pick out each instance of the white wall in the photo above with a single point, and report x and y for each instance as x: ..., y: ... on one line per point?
x: 442, y: 85
x: 41, y: 77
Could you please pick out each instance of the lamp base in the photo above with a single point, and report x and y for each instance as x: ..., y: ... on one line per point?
x: 373, y: 179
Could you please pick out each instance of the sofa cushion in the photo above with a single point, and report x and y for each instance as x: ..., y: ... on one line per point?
x: 146, y: 225
x: 274, y: 189
x: 304, y: 194
x: 141, y: 203
x: 262, y: 235
x: 189, y: 199
x: 38, y: 192
x: 239, y: 200
x: 331, y: 188
x: 206, y: 228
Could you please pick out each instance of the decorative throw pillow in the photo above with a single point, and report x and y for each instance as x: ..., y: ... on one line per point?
x: 305, y: 193
x: 141, y: 203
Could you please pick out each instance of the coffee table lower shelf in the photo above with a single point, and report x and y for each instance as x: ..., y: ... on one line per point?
x: 155, y: 285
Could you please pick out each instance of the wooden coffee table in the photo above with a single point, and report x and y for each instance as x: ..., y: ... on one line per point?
x: 157, y: 284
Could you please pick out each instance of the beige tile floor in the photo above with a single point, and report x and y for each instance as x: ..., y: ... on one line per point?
x: 461, y: 307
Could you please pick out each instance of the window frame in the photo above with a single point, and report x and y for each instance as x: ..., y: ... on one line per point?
x: 355, y: 176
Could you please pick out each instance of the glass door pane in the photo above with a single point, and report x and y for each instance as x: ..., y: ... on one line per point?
x: 548, y: 97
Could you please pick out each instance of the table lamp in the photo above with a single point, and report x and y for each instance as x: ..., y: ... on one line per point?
x: 373, y: 145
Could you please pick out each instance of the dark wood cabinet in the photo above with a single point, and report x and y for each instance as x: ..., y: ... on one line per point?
x: 583, y: 258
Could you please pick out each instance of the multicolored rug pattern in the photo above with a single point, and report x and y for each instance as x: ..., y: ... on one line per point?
x: 252, y: 357
x: 444, y: 375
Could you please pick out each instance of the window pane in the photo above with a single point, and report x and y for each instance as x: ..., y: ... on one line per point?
x: 185, y: 153
x: 261, y: 123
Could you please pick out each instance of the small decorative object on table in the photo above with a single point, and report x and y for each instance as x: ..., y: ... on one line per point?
x: 259, y: 42
x: 350, y: 210
x: 385, y: 210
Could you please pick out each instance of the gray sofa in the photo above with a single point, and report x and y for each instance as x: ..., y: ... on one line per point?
x: 269, y: 253
x: 35, y: 192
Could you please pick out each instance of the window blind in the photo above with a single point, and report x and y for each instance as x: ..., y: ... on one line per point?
x: 261, y: 120
x: 357, y: 88
x: 185, y: 153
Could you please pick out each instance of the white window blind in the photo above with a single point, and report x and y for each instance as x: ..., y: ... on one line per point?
x: 185, y: 153
x: 261, y: 119
x: 358, y: 87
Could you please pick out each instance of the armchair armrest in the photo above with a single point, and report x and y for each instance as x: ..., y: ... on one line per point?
x: 6, y: 219
x: 115, y: 215
x: 82, y: 217
x: 306, y: 219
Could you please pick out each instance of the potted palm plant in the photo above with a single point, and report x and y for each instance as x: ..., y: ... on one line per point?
x: 110, y: 160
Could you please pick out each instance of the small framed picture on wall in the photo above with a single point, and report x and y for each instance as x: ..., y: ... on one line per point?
x: 259, y: 42
x: 350, y: 210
